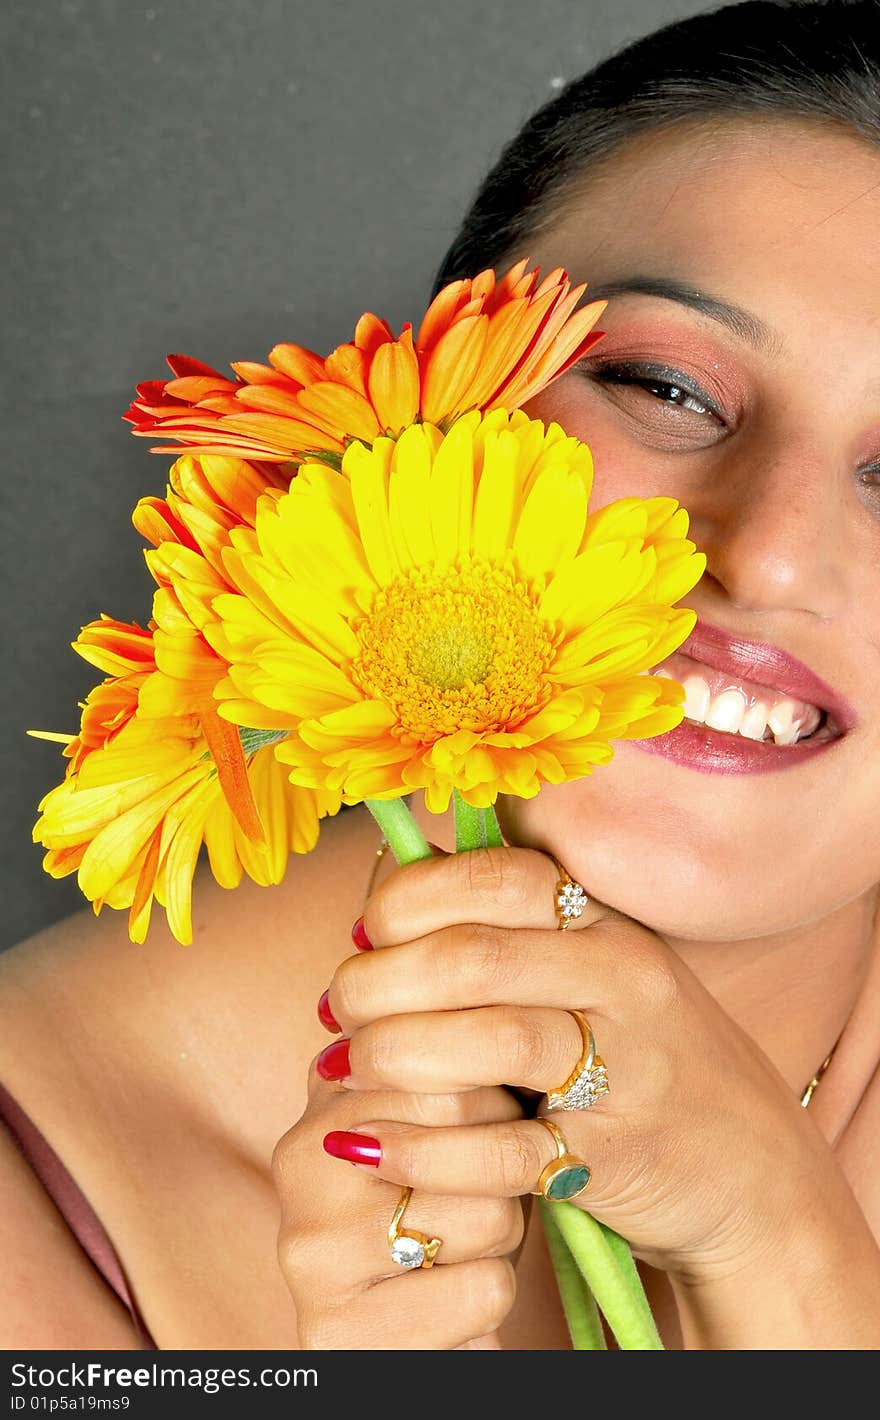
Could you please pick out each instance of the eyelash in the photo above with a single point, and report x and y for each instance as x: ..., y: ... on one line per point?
x: 658, y: 376
x: 636, y: 373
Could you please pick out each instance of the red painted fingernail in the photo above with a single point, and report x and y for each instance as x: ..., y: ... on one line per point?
x: 354, y: 1148
x: 359, y: 936
x: 333, y: 1063
x: 326, y: 1016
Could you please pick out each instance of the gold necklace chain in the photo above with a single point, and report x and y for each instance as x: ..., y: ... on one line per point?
x: 811, y: 1087
x: 808, y: 1092
x: 380, y: 854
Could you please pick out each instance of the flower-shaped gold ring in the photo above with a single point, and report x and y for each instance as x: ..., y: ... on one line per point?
x: 569, y: 899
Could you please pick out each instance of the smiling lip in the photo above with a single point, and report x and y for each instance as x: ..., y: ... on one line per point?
x: 709, y: 751
x: 767, y: 665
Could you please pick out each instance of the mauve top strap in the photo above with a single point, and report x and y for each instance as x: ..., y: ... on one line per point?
x: 73, y: 1206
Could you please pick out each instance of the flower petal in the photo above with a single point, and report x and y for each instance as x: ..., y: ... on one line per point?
x: 394, y: 383
x: 369, y: 472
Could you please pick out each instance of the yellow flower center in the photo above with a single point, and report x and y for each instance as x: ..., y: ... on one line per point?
x: 455, y: 648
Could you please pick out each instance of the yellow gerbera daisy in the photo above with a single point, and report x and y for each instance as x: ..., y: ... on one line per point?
x: 446, y: 614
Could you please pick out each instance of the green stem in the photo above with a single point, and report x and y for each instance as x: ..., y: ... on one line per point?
x: 405, y: 838
x: 474, y: 828
x: 578, y: 1302
x: 624, y: 1304
x: 624, y: 1258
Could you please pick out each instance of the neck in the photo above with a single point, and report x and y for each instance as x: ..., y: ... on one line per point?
x: 792, y: 992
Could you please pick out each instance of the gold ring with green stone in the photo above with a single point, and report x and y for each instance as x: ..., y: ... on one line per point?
x: 565, y: 1176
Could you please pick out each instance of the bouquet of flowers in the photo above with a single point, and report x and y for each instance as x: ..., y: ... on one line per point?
x: 375, y: 575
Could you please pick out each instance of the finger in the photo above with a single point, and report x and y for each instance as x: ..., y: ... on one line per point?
x: 317, y: 1197
x: 507, y: 887
x: 459, y: 1050
x: 491, y: 1162
x: 477, y: 965
x: 332, y: 1107
x: 426, y: 1310
x: 360, y: 1254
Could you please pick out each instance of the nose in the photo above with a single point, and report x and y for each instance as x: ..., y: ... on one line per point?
x: 772, y: 522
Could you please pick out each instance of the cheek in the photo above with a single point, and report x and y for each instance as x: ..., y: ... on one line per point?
x: 688, y: 855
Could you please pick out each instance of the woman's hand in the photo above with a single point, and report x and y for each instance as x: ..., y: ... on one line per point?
x: 333, y: 1245
x: 700, y: 1155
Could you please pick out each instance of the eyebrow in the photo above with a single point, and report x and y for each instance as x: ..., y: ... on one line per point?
x: 742, y: 323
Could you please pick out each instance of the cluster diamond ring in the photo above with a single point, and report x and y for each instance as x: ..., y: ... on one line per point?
x: 588, y: 1081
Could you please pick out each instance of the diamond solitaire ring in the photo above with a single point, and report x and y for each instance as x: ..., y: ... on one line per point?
x: 410, y: 1249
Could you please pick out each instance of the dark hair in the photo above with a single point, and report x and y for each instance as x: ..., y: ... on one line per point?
x: 810, y: 59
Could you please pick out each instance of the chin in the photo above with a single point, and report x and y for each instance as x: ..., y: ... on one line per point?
x: 657, y: 862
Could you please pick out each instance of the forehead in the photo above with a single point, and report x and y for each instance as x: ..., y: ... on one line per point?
x: 781, y: 216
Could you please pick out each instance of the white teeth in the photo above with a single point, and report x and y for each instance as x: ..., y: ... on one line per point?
x: 754, y: 721
x: 726, y: 711
x: 696, y: 697
x: 790, y: 738
x: 785, y: 727
x: 781, y: 720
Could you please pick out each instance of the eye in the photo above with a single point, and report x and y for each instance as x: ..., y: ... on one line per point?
x: 870, y: 477
x: 664, y: 385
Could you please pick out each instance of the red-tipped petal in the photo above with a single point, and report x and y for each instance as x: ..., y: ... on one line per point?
x: 185, y: 365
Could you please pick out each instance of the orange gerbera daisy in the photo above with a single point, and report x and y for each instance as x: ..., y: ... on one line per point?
x: 207, y: 497
x: 125, y: 651
x: 189, y: 530
x: 141, y: 795
x: 483, y: 343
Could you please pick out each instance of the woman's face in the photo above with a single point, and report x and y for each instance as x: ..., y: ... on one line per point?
x: 776, y: 457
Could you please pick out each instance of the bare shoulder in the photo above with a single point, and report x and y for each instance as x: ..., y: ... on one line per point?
x: 163, y: 1037
x: 163, y: 1076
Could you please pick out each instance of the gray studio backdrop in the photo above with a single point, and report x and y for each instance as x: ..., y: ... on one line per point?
x: 211, y: 177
